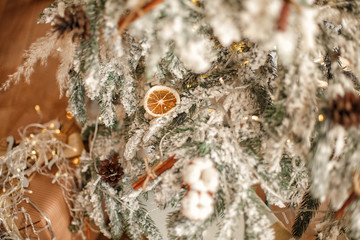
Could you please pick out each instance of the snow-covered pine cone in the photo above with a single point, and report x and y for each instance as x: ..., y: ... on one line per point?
x: 75, y: 21
x: 345, y: 110
x: 110, y: 170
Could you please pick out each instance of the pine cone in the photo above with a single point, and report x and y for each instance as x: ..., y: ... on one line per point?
x: 75, y: 21
x: 111, y: 170
x: 345, y: 110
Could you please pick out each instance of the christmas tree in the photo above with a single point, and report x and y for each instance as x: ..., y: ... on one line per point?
x: 182, y: 108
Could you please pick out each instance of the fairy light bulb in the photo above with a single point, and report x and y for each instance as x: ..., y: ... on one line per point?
x: 57, y: 131
x: 69, y: 115
x: 76, y: 161
x: 255, y: 118
x: 37, y: 108
x: 321, y: 117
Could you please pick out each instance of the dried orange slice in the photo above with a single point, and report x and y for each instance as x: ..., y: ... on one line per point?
x: 161, y: 100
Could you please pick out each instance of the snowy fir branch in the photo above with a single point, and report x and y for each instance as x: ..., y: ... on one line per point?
x: 243, y: 93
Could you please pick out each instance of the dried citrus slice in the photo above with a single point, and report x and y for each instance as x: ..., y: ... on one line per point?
x: 161, y: 100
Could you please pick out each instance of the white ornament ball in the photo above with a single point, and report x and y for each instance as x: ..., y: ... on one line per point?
x: 201, y: 175
x: 197, y: 206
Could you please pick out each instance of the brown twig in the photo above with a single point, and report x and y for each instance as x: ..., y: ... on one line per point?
x: 284, y: 14
x: 139, y: 10
x: 159, y: 169
x: 341, y: 211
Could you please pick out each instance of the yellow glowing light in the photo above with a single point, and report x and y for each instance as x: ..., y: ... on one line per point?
x: 74, y: 149
x: 57, y: 131
x: 69, y: 115
x: 4, y: 190
x: 245, y: 118
x: 100, y: 118
x: 321, y: 118
x: 76, y: 161
x: 211, y: 110
x: 27, y: 139
x: 43, y: 130
x: 37, y: 108
x: 18, y: 170
x: 33, y: 152
x: 33, y: 143
x: 31, y: 135
x: 30, y: 191
x: 254, y: 117
x: 52, y: 126
x: 196, y: 2
x: 53, y: 152
x: 221, y: 80
x: 188, y: 85
x: 56, y: 174
x: 53, y: 139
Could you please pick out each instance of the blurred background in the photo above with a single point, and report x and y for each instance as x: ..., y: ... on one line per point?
x: 19, y: 28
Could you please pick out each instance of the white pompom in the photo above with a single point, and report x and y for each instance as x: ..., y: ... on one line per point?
x: 197, y: 206
x: 201, y: 175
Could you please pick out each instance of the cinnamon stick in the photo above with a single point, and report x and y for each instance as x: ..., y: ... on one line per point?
x: 158, y: 171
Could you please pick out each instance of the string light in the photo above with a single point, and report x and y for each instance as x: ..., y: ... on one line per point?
x: 188, y: 85
x: 75, y: 149
x: 52, y: 126
x: 18, y: 170
x: 4, y: 189
x: 321, y: 117
x: 33, y: 152
x: 221, y: 80
x: 57, y: 131
x: 100, y: 118
x: 33, y: 142
x: 31, y: 135
x: 53, y: 152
